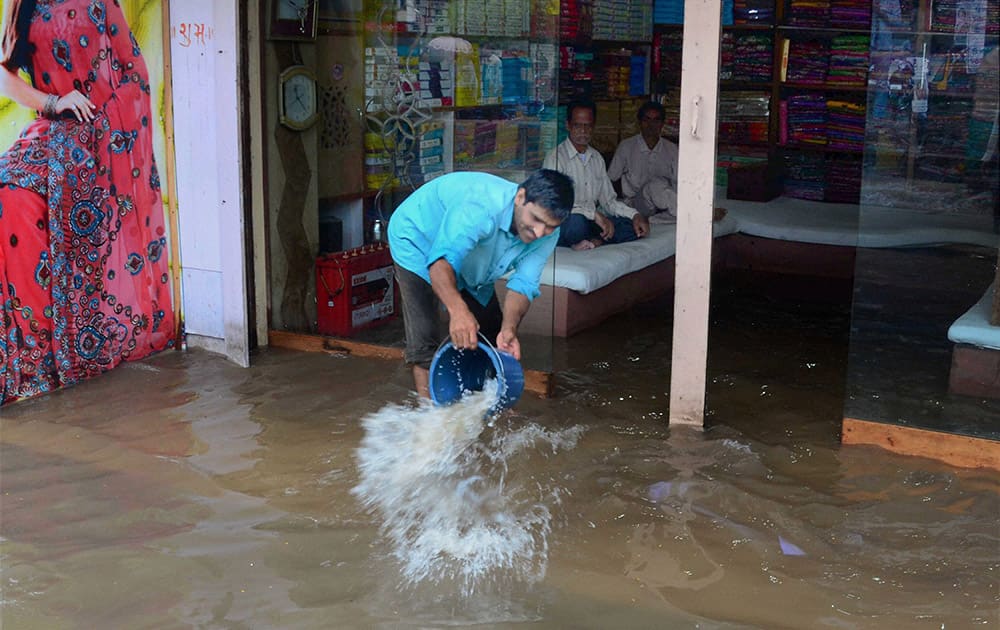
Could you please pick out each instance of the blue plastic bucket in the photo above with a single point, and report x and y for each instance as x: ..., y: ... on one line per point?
x: 455, y: 371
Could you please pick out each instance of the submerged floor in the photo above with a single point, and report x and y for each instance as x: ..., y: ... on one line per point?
x: 184, y: 492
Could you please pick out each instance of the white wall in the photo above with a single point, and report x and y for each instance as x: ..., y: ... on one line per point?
x: 204, y: 55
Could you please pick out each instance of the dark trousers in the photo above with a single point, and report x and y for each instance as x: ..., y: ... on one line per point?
x: 578, y: 228
x: 425, y: 319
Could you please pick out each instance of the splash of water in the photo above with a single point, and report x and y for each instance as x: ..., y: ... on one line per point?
x: 440, y: 479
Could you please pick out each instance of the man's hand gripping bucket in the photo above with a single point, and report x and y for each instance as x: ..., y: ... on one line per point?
x: 455, y: 371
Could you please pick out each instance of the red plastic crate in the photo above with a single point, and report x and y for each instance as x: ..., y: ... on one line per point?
x: 355, y: 289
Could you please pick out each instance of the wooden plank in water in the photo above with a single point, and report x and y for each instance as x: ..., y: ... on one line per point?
x: 957, y: 450
x: 535, y: 381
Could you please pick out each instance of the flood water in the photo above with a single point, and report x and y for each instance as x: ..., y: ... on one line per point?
x: 184, y: 492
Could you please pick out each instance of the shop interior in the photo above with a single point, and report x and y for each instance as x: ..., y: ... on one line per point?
x: 857, y: 144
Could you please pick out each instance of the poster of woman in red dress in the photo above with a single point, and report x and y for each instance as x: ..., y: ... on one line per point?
x: 84, y: 271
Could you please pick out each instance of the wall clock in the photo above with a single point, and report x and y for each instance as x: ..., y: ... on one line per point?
x: 293, y: 19
x: 297, y: 98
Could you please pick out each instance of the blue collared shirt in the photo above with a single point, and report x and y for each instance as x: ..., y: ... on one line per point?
x: 466, y: 218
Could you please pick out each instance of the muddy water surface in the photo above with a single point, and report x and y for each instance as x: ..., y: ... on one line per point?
x: 184, y: 492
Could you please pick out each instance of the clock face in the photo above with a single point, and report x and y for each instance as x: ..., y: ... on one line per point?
x: 298, y: 97
x: 293, y: 9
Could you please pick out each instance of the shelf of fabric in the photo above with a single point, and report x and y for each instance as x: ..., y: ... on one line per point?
x: 747, y: 57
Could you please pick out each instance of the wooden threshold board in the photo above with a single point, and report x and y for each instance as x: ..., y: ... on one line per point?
x: 957, y: 450
x: 535, y: 381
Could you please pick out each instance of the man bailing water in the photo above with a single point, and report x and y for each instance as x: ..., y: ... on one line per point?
x: 453, y: 238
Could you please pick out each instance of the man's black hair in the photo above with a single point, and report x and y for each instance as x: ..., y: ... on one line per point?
x: 580, y: 104
x: 651, y: 106
x: 551, y: 190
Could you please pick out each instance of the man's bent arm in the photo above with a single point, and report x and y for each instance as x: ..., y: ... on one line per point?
x: 463, y: 326
x: 515, y: 305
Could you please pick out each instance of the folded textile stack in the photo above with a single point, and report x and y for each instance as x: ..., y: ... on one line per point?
x: 667, y: 49
x: 753, y: 12
x: 672, y: 109
x: 807, y: 120
x: 843, y: 179
x: 808, y: 61
x: 845, y: 127
x: 576, y: 20
x: 727, y: 55
x: 614, y: 72
x: 848, y: 61
x: 743, y: 117
x: 805, y: 176
x: 753, y: 57
x: 809, y: 13
x: 668, y: 11
x: 853, y: 14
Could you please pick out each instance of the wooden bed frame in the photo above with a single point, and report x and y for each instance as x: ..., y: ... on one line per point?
x: 974, y: 371
x: 563, y: 312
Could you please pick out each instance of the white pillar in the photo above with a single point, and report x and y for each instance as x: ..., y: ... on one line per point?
x: 695, y: 201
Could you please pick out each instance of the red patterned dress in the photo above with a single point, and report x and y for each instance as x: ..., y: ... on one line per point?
x: 84, y: 280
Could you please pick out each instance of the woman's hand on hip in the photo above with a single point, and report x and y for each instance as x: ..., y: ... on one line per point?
x: 79, y: 105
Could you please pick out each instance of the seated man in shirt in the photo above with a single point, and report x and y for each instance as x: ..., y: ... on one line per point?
x: 456, y: 235
x: 598, y: 216
x: 646, y: 163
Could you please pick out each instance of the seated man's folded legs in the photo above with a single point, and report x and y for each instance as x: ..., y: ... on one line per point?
x: 659, y: 193
x: 575, y: 229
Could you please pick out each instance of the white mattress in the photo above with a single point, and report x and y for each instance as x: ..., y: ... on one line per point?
x: 592, y: 269
x: 784, y: 219
x: 974, y: 326
x: 806, y: 221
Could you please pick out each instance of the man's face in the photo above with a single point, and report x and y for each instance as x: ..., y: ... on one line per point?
x: 581, y: 128
x: 531, y: 220
x: 650, y: 124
